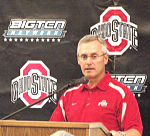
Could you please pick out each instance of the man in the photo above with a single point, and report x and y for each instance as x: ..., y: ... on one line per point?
x: 102, y: 99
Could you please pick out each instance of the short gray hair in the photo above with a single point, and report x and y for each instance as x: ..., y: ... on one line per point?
x: 89, y: 38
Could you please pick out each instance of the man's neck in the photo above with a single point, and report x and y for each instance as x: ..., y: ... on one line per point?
x: 93, y: 82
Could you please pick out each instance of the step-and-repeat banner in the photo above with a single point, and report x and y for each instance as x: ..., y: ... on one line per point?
x: 38, y: 41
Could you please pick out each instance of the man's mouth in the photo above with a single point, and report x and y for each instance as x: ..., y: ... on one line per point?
x: 89, y: 69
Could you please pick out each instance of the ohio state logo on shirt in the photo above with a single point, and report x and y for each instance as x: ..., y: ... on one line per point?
x: 33, y: 84
x: 117, y: 30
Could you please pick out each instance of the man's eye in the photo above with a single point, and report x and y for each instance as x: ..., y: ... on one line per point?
x: 84, y: 56
x: 94, y: 56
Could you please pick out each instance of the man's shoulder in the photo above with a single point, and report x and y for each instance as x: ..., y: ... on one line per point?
x: 116, y: 82
x: 119, y: 87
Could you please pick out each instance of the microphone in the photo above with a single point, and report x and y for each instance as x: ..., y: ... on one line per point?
x: 71, y: 84
x: 75, y: 82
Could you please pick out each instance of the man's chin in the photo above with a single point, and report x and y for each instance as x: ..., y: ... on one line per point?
x: 89, y: 76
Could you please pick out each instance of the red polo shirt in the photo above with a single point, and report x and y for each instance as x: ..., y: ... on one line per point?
x: 109, y: 102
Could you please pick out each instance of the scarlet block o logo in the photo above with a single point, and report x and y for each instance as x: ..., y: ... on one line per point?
x: 117, y: 30
x: 33, y: 84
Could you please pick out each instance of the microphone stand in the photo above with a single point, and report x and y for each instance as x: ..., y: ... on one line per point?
x: 71, y: 84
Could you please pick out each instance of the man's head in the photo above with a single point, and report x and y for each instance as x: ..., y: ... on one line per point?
x: 92, y: 56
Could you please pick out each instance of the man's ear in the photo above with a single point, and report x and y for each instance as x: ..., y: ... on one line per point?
x: 78, y: 60
x: 106, y: 56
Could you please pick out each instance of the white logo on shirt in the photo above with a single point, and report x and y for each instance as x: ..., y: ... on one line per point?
x: 74, y: 103
x: 103, y: 103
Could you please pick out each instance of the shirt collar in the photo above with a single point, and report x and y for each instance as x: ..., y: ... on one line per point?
x: 102, y: 85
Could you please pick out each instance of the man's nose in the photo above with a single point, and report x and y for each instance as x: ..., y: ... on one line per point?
x: 89, y: 60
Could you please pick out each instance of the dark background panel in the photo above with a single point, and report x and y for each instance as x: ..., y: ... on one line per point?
x: 60, y: 58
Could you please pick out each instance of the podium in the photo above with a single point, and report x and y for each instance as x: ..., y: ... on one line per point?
x: 46, y: 128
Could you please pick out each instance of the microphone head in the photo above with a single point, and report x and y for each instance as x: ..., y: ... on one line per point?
x: 75, y: 82
x: 83, y: 80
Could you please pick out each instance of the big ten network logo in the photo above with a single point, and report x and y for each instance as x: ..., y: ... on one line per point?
x: 136, y: 82
x: 35, y: 30
x: 34, y: 83
x: 117, y: 30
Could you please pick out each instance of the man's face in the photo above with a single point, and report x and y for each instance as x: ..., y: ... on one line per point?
x: 92, y: 67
